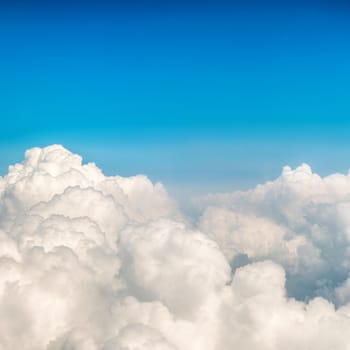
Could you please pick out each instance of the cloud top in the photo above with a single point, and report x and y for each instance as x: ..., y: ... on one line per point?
x: 90, y: 262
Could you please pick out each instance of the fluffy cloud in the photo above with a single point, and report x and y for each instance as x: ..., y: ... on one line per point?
x: 300, y: 220
x: 90, y: 262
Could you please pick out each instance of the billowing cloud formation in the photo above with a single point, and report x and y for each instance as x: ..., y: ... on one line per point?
x: 300, y: 221
x: 89, y: 262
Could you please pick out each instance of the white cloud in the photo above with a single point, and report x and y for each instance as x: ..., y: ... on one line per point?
x: 299, y: 220
x: 89, y: 262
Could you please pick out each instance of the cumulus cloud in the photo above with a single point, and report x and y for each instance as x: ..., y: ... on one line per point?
x: 300, y: 220
x: 91, y: 262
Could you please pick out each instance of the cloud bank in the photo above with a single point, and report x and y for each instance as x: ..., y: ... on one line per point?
x: 90, y: 262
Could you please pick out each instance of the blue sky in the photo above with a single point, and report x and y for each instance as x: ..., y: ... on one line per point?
x: 204, y: 96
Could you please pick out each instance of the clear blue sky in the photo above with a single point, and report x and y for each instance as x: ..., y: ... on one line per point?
x: 202, y: 95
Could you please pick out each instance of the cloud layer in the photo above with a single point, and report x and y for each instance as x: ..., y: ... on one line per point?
x: 90, y: 262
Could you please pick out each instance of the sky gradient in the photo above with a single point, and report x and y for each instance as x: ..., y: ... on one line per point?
x: 203, y: 96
